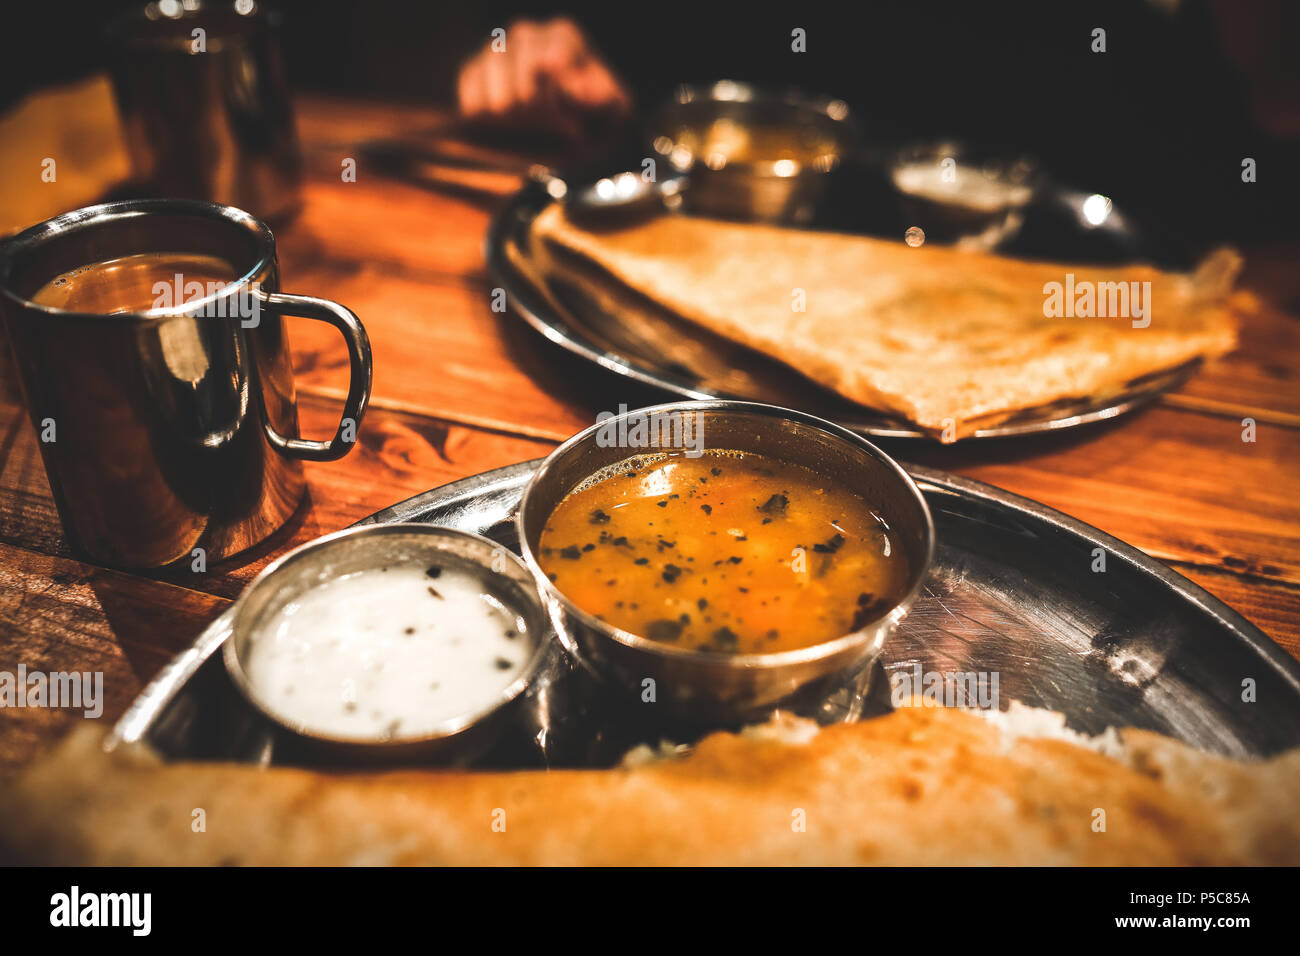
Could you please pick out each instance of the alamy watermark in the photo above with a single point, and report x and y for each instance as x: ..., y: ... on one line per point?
x: 133, y: 911
x: 915, y: 687
x: 77, y: 690
x: 215, y: 300
x: 676, y: 429
x: 1086, y: 299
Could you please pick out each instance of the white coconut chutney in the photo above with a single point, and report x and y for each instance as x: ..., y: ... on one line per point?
x: 388, y: 653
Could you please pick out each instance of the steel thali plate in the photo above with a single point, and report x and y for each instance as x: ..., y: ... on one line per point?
x: 1012, y: 592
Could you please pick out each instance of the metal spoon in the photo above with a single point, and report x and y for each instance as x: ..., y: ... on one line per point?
x: 622, y: 194
x: 617, y: 196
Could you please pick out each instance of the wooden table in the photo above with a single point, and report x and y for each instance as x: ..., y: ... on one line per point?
x: 459, y: 389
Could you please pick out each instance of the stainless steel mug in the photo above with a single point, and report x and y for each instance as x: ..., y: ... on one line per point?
x: 176, y: 428
x: 204, y: 103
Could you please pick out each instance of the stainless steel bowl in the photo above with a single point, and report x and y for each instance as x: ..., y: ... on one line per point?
x: 368, y: 547
x: 954, y: 194
x: 759, y: 184
x: 695, y: 686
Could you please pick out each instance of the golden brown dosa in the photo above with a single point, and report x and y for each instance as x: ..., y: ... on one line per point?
x: 920, y: 786
x: 941, y: 337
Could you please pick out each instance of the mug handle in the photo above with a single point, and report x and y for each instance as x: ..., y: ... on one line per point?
x: 354, y: 334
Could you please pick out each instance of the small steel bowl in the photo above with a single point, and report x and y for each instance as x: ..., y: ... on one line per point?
x: 760, y: 186
x: 930, y: 178
x: 694, y: 686
x: 373, y: 546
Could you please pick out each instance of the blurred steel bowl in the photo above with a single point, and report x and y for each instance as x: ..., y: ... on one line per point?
x: 751, y: 154
x: 962, y: 196
x: 364, y: 548
x: 695, y: 686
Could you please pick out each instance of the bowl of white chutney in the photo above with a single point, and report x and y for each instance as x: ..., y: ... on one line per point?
x: 398, y: 641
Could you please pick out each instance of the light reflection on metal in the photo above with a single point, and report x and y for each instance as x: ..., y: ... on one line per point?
x: 1095, y: 210
x: 729, y: 91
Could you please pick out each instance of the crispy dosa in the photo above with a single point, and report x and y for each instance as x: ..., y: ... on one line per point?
x: 946, y: 339
x: 919, y: 786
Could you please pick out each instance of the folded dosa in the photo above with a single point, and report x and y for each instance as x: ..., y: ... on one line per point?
x: 946, y: 339
x: 918, y: 786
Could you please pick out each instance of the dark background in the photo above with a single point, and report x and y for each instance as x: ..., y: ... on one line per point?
x: 1161, y: 121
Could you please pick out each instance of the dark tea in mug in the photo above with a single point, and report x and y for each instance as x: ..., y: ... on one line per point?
x: 139, y: 283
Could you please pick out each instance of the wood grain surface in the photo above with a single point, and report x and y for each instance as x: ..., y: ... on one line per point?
x: 460, y: 389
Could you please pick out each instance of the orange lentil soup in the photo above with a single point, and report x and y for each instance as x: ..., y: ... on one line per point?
x: 730, y: 552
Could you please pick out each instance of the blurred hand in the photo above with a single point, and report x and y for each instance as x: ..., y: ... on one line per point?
x: 547, y: 77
